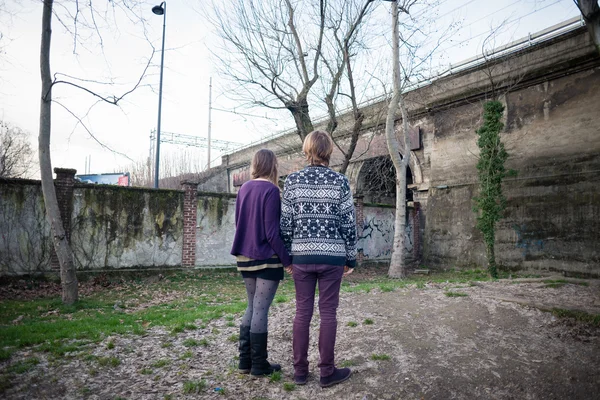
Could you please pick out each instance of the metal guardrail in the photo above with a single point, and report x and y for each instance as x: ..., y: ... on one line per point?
x: 510, y: 48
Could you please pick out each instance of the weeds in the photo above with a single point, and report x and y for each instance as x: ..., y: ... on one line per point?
x: 380, y: 357
x: 275, y: 377
x: 288, y: 387
x: 352, y: 324
x: 194, y: 387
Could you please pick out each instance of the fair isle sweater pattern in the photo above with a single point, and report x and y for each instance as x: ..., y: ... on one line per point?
x: 318, y: 224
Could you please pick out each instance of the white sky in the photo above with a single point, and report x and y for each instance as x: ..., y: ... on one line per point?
x: 186, y: 76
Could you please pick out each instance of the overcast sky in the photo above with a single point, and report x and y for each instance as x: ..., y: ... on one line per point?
x: 186, y: 76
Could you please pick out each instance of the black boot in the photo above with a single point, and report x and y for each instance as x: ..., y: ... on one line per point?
x: 245, y: 353
x: 260, y: 365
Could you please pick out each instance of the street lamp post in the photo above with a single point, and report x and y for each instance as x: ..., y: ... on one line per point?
x: 160, y: 10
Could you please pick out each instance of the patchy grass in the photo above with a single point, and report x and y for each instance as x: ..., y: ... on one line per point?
x: 455, y: 294
x: 180, y: 302
x: 146, y: 371
x: 380, y: 357
x: 275, y: 377
x: 234, y: 338
x: 352, y: 324
x: 49, y: 324
x: 348, y: 363
x: 368, y: 321
x: 190, y: 342
x: 163, y: 362
x: 23, y: 366
x: 108, y: 361
x: 194, y: 387
x: 288, y: 386
x: 186, y: 355
x: 581, y: 316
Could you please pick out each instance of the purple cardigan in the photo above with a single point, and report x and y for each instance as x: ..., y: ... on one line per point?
x: 257, y: 214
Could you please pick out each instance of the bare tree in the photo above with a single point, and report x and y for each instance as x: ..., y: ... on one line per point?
x: 397, y: 266
x: 276, y: 53
x: 73, y: 10
x: 591, y: 14
x: 418, y: 49
x: 16, y: 154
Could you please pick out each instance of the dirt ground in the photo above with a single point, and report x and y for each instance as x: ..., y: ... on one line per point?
x: 494, y: 343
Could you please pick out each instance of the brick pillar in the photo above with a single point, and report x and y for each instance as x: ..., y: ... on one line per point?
x: 360, y: 220
x: 63, y: 184
x: 417, y: 231
x: 190, y: 205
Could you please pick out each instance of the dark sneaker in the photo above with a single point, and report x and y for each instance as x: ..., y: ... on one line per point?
x: 300, y: 379
x: 338, y: 376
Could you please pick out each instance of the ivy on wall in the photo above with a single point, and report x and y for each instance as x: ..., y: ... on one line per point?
x: 490, y: 204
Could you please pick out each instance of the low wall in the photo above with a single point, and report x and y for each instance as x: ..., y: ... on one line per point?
x: 121, y: 228
x: 25, y: 241
x: 115, y: 227
x: 215, y: 229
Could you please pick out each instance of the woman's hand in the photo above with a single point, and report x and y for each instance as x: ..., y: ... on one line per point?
x: 347, y: 271
x: 289, y: 269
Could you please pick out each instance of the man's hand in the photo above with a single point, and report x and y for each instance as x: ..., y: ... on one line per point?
x: 347, y: 271
x: 289, y: 269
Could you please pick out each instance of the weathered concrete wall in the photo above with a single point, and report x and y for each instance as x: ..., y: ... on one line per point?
x: 553, y: 216
x: 25, y: 241
x: 377, y: 234
x: 115, y: 227
x: 215, y: 229
x: 552, y: 95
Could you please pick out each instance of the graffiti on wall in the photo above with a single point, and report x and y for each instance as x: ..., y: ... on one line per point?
x: 377, y: 234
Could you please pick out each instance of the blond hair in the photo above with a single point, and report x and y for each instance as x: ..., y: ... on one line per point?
x: 317, y: 148
x: 264, y: 165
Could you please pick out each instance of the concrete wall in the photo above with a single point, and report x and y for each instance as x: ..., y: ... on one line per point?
x: 25, y: 241
x: 115, y: 227
x: 215, y: 229
x: 552, y: 95
x: 376, y: 233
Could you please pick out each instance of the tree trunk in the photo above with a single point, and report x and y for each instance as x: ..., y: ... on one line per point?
x: 397, y: 266
x: 591, y: 14
x: 68, y: 277
x: 299, y: 110
x: 491, y: 256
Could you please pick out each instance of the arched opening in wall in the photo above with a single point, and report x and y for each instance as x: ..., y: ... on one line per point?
x: 377, y: 181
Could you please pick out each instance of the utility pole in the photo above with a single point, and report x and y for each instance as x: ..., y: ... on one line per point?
x: 209, y: 115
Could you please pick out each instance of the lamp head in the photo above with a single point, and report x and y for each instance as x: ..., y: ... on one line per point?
x: 158, y: 10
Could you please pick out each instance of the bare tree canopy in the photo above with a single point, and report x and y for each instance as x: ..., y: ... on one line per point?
x: 296, y: 56
x: 16, y: 154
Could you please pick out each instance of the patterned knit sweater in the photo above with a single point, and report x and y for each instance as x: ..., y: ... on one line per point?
x: 318, y: 225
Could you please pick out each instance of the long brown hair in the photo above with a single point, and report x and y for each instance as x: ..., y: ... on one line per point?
x: 317, y: 148
x: 264, y: 165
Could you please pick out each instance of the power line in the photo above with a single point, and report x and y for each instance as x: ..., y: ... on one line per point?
x: 491, y: 30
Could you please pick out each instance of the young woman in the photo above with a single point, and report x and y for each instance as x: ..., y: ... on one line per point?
x: 261, y: 256
x: 319, y: 229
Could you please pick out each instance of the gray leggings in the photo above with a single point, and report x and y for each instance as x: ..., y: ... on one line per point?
x: 260, y: 296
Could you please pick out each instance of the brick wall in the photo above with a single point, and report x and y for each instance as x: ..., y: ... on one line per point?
x: 190, y: 211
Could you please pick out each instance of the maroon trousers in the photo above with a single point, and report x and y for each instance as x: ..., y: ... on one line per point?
x: 306, y: 277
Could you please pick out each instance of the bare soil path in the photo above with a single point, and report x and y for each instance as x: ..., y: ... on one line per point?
x: 489, y: 343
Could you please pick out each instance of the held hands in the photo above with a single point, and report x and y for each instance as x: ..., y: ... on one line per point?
x: 289, y: 269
